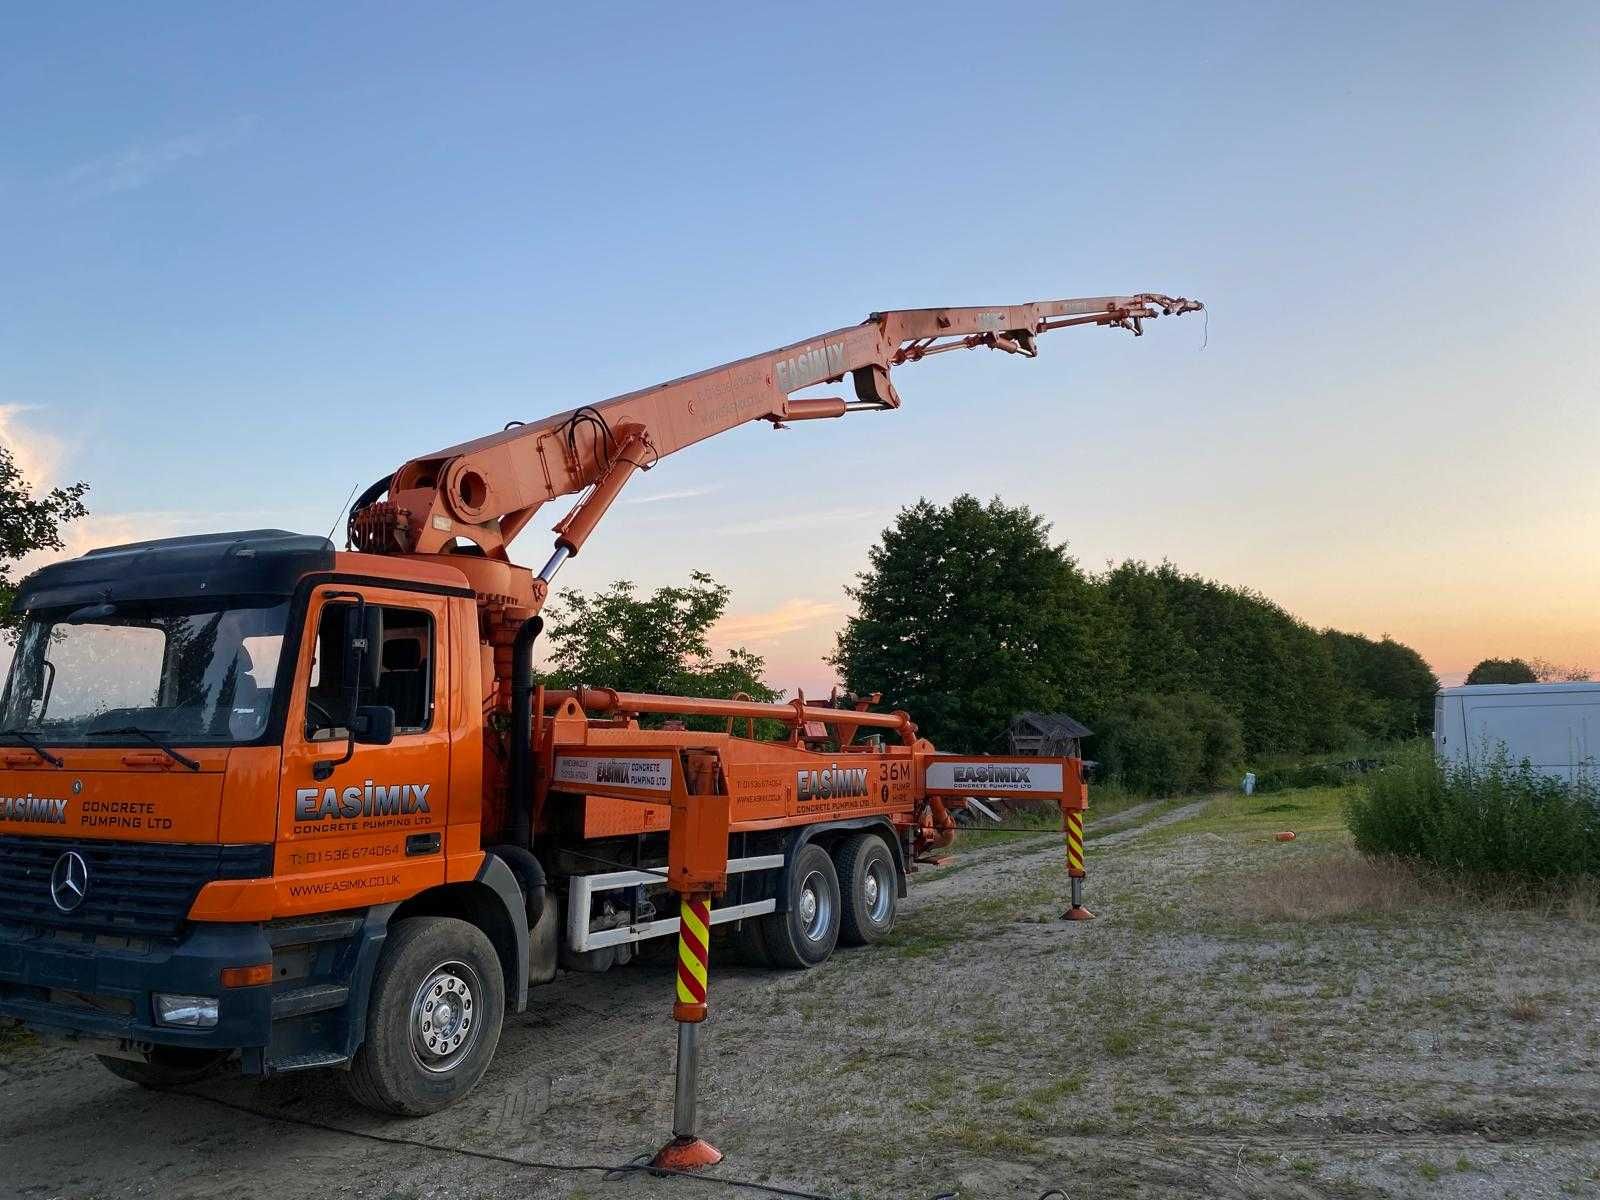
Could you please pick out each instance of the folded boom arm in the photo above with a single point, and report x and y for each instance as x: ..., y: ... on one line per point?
x: 485, y: 491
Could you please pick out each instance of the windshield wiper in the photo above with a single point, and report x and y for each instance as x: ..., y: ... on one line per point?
x: 158, y: 743
x: 32, y: 743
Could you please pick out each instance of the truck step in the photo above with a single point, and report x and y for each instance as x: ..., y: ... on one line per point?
x: 316, y: 998
x: 298, y: 932
x: 306, y: 1062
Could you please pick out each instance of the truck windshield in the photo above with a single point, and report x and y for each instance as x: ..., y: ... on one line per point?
x: 185, y: 672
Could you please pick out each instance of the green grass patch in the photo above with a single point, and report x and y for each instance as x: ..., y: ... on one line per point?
x: 921, y: 943
x: 1060, y: 1089
x: 1120, y: 1043
x: 1318, y: 812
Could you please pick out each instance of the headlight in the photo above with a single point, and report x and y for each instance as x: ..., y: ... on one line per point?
x: 197, y: 1011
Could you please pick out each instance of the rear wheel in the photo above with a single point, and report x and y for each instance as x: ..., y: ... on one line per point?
x: 434, y: 1018
x: 752, y: 946
x: 806, y: 934
x: 169, y: 1066
x: 870, y: 887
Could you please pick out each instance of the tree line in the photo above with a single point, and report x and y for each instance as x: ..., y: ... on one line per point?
x: 969, y: 613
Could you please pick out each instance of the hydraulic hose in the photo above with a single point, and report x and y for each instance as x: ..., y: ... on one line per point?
x: 519, y: 787
x: 371, y: 494
x: 530, y: 874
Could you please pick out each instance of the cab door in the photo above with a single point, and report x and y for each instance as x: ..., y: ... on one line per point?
x: 372, y: 831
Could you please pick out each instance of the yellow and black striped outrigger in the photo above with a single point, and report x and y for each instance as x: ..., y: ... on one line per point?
x: 1072, y: 824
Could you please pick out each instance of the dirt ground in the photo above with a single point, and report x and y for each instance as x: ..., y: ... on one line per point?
x: 1245, y: 1018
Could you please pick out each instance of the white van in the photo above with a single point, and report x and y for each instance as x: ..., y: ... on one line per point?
x: 1555, y: 726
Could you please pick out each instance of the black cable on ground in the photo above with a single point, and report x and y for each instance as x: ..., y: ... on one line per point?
x: 1004, y: 829
x: 608, y: 1171
x: 637, y: 1166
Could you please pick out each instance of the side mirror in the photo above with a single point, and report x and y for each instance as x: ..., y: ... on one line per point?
x: 363, y: 661
x: 374, y: 725
x: 363, y: 647
x: 47, y: 684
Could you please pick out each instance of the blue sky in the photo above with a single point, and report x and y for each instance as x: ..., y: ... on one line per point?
x: 255, y: 257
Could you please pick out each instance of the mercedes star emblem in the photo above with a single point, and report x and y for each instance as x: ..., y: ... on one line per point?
x: 69, y: 881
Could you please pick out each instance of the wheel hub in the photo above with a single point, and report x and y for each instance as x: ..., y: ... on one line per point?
x: 442, y: 1025
x: 876, y: 893
x: 815, y: 908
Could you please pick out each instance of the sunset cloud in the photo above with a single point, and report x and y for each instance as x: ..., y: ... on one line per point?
x: 37, y: 455
x: 790, y: 617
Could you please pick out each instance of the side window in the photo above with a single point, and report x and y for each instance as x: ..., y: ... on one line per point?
x: 405, y: 680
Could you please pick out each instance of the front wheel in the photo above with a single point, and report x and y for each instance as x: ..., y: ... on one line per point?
x: 806, y: 934
x: 434, y: 1018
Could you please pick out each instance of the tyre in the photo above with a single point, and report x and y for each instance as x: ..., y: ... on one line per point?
x: 169, y: 1066
x: 806, y: 934
x: 750, y: 944
x: 434, y: 1018
x: 870, y: 889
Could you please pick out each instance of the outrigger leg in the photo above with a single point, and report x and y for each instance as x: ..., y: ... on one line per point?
x: 697, y: 868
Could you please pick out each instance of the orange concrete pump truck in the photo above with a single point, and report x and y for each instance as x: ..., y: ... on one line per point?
x: 265, y: 801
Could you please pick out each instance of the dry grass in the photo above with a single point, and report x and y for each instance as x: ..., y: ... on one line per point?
x: 1578, y: 902
x: 1525, y: 1008
x: 1325, y: 886
x: 1345, y: 883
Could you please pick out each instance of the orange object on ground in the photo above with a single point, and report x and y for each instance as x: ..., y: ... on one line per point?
x: 1286, y: 836
x: 687, y: 1154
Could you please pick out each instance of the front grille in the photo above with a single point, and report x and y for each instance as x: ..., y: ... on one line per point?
x: 142, y: 889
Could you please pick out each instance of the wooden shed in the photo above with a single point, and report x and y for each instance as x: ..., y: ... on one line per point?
x: 1052, y: 735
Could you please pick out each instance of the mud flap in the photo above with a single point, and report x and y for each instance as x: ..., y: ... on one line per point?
x: 543, y: 950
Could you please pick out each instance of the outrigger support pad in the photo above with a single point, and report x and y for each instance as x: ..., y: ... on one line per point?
x: 1077, y: 912
x: 686, y: 1151
x: 1072, y: 826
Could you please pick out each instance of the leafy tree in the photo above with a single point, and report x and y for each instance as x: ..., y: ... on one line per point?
x: 1389, y: 687
x: 1221, y: 738
x: 1168, y: 744
x: 968, y: 614
x: 28, y: 524
x: 1502, y: 670
x: 1546, y: 671
x: 1156, y: 645
x: 655, y: 643
x: 1184, y: 633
